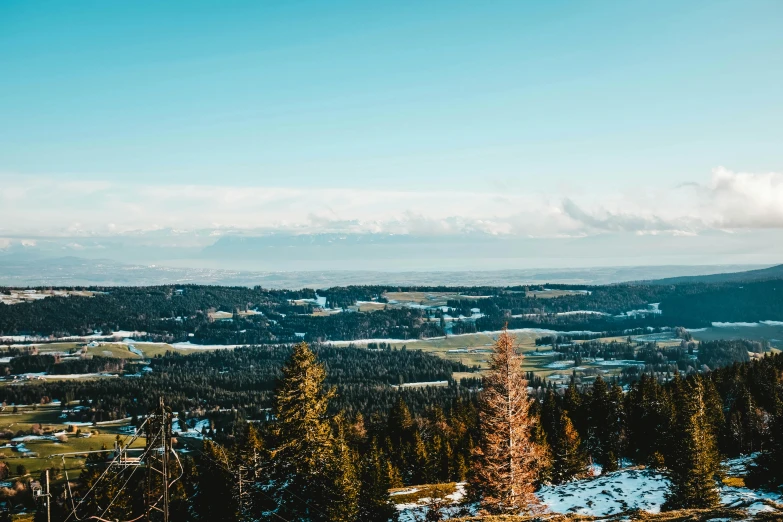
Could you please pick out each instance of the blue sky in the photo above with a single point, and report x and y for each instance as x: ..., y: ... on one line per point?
x: 584, y: 112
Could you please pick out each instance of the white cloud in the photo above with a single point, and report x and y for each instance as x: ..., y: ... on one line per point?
x: 743, y: 200
x: 727, y: 200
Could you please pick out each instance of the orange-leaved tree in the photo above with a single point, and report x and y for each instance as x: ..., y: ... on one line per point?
x: 507, y: 459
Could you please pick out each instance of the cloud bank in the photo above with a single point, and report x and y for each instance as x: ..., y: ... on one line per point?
x: 729, y: 201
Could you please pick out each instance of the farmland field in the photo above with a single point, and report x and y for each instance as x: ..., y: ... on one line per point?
x: 117, y: 349
x: 47, y: 419
x: 426, y: 298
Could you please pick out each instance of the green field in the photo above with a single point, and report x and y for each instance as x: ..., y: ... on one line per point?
x: 48, y: 417
x: 474, y: 350
x: 114, y: 349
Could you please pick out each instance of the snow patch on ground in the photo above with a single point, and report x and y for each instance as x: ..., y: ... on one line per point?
x: 639, y: 489
x: 196, y: 432
x: 613, y: 493
x: 608, y: 494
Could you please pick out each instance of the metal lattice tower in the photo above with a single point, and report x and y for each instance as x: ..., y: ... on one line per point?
x: 159, y: 460
x: 159, y: 469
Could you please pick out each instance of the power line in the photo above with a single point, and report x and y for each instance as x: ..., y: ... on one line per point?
x: 113, y: 461
x: 158, y: 442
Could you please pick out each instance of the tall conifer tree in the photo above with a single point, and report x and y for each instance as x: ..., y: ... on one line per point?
x: 344, y: 504
x: 506, y: 459
x: 307, y: 477
x: 695, y: 462
x: 569, y: 460
x: 374, y: 503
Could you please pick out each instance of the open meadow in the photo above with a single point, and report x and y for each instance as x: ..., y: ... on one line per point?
x: 31, y: 430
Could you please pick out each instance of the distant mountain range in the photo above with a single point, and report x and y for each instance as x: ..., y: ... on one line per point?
x: 266, y: 252
x: 20, y: 269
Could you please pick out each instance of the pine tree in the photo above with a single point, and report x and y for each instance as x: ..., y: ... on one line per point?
x: 648, y: 419
x: 400, y: 430
x: 569, y: 461
x: 573, y: 404
x: 374, y: 504
x: 459, y: 470
x: 303, y: 458
x: 394, y: 475
x: 695, y: 462
x: 215, y: 499
x: 506, y: 460
x: 605, y: 424
x: 416, y: 472
x: 550, y: 413
x: 344, y: 503
x: 767, y: 469
x: 614, y: 432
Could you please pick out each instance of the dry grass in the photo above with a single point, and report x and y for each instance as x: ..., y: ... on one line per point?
x: 427, y: 298
x: 413, y: 494
x: 119, y: 350
x: 683, y: 515
x: 371, y: 307
x: 734, y: 482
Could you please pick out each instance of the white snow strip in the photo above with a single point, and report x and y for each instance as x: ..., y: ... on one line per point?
x: 417, y: 384
x: 733, y: 325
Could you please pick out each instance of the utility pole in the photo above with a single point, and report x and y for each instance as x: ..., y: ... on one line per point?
x: 42, y: 494
x: 48, y: 499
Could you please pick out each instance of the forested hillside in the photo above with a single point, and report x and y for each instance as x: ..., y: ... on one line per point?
x: 239, y: 315
x: 241, y: 380
x: 762, y: 274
